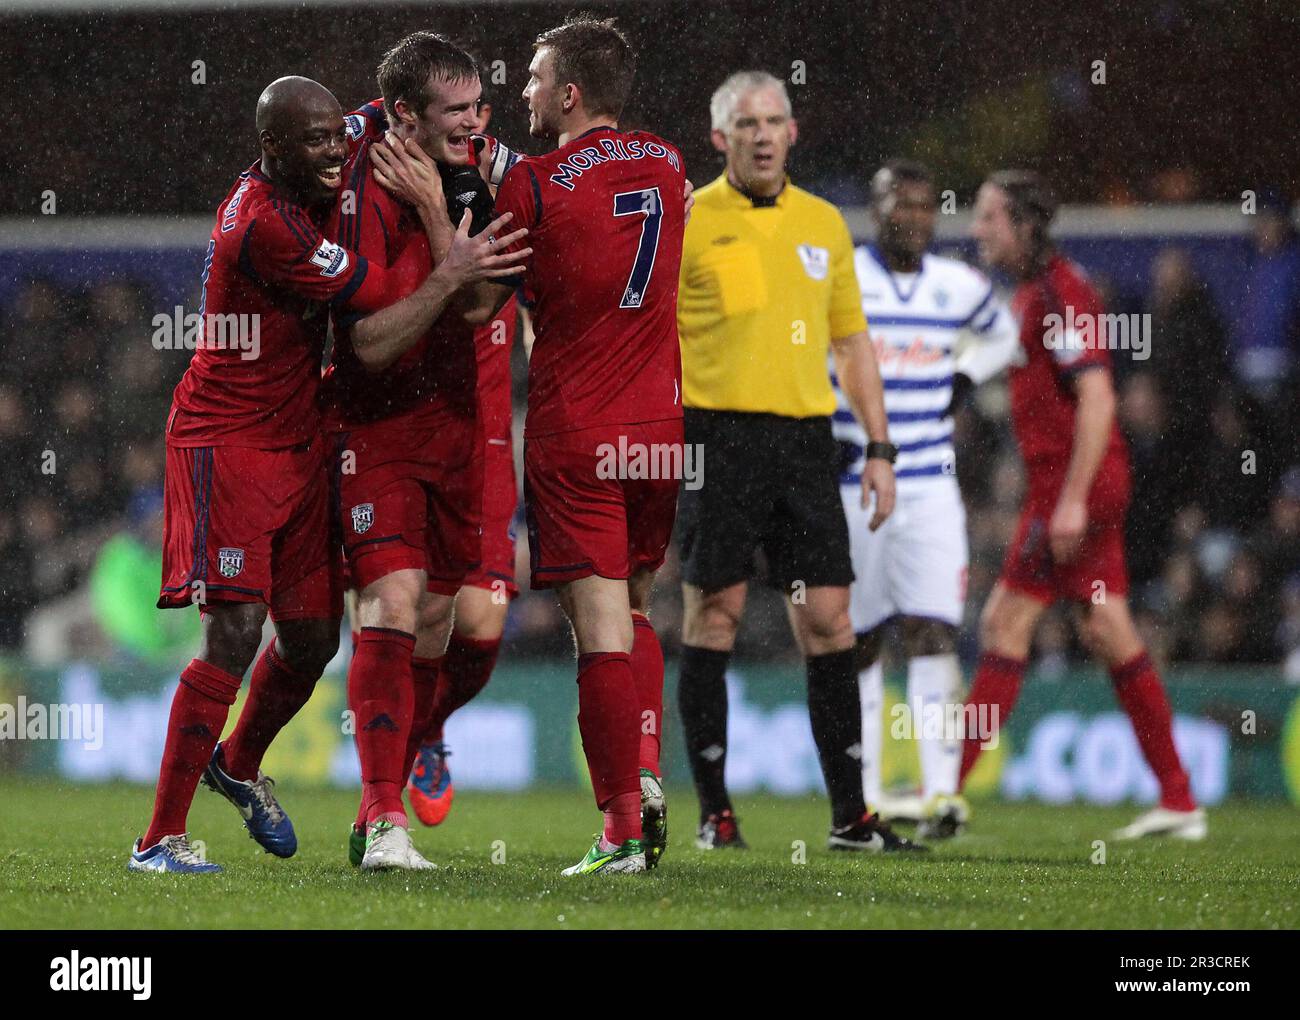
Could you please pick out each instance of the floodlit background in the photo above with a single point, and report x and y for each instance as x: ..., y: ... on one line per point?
x: 1167, y: 127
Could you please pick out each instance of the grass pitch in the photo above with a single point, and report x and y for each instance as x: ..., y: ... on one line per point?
x: 63, y: 865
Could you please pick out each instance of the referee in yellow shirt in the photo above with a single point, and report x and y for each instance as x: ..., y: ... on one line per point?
x: 768, y: 292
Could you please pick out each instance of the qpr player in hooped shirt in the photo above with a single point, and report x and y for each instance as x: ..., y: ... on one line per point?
x: 920, y: 309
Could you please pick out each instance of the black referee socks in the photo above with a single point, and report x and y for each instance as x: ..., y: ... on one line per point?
x: 702, y: 702
x: 835, y: 710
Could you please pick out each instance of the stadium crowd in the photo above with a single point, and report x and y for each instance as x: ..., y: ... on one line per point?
x: 1214, y: 530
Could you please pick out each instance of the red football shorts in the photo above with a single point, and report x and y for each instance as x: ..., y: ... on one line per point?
x: 601, y: 500
x: 1099, y: 565
x: 410, y: 497
x: 245, y: 525
x: 496, y: 570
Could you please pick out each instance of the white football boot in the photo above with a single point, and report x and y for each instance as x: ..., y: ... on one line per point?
x: 388, y: 846
x: 946, y: 816
x: 1161, y: 821
x: 899, y: 807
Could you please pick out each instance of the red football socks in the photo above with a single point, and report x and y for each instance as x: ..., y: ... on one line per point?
x: 1138, y: 687
x: 608, y: 719
x: 381, y: 697
x: 648, y: 672
x: 199, y: 710
x: 275, y: 695
x: 466, y: 669
x: 425, y: 672
x: 996, y: 685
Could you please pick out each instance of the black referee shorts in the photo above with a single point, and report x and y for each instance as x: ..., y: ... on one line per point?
x: 770, y: 483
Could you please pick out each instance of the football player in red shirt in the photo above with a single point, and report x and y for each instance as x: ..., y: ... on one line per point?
x: 483, y: 601
x: 1070, y: 540
x: 411, y: 489
x: 247, y: 522
x: 603, y: 439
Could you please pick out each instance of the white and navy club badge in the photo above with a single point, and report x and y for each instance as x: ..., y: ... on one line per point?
x: 363, y: 516
x: 230, y: 561
x: 331, y: 259
x: 816, y: 261
x: 356, y: 125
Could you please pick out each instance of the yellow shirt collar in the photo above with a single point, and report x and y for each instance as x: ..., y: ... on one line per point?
x: 741, y: 200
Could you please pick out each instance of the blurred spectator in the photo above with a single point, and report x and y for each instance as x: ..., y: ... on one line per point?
x: 1268, y: 326
x: 124, y: 588
x: 1176, y: 184
x: 1224, y: 476
x: 1276, y: 542
x: 34, y: 331
x: 1158, y: 464
x: 1188, y: 344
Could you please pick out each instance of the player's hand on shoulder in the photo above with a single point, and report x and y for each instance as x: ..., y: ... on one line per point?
x: 484, y: 256
x: 688, y: 193
x: 403, y: 168
x: 878, y: 481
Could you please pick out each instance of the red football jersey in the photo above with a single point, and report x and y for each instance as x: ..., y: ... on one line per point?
x: 1053, y: 309
x: 606, y: 213
x: 436, y: 377
x: 269, y: 277
x: 494, y: 343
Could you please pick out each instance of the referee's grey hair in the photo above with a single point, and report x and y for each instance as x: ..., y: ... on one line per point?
x: 722, y: 107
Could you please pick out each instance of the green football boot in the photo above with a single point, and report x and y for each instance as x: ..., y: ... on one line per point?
x: 654, y: 818
x: 626, y: 859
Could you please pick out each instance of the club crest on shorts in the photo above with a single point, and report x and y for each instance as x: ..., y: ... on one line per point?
x: 230, y: 561
x: 363, y: 516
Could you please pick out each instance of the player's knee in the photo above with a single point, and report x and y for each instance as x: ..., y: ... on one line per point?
x: 867, y: 648
x: 232, y: 638
x: 928, y: 637
x: 824, y: 628
x: 308, y: 654
x: 433, y: 613
x: 392, y: 602
x: 481, y: 619
x: 1108, y: 633
x: 716, y: 619
x: 995, y: 627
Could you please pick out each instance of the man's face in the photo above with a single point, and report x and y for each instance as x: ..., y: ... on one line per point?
x: 311, y: 152
x: 1002, y: 242
x: 906, y: 218
x: 757, y: 141
x: 443, y: 127
x: 545, y: 98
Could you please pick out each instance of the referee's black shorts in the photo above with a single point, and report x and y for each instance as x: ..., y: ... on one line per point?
x: 769, y: 483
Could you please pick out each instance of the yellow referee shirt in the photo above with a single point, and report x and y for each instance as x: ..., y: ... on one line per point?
x: 764, y: 289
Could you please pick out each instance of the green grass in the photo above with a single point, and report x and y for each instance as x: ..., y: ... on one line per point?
x: 63, y: 856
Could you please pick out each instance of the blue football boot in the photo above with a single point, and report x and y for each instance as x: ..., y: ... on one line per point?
x: 255, y: 801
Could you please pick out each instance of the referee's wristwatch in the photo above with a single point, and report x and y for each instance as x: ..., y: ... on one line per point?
x: 883, y: 451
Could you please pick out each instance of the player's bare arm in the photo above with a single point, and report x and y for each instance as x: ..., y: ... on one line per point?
x: 859, y: 375
x: 1094, y: 416
x: 384, y: 336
